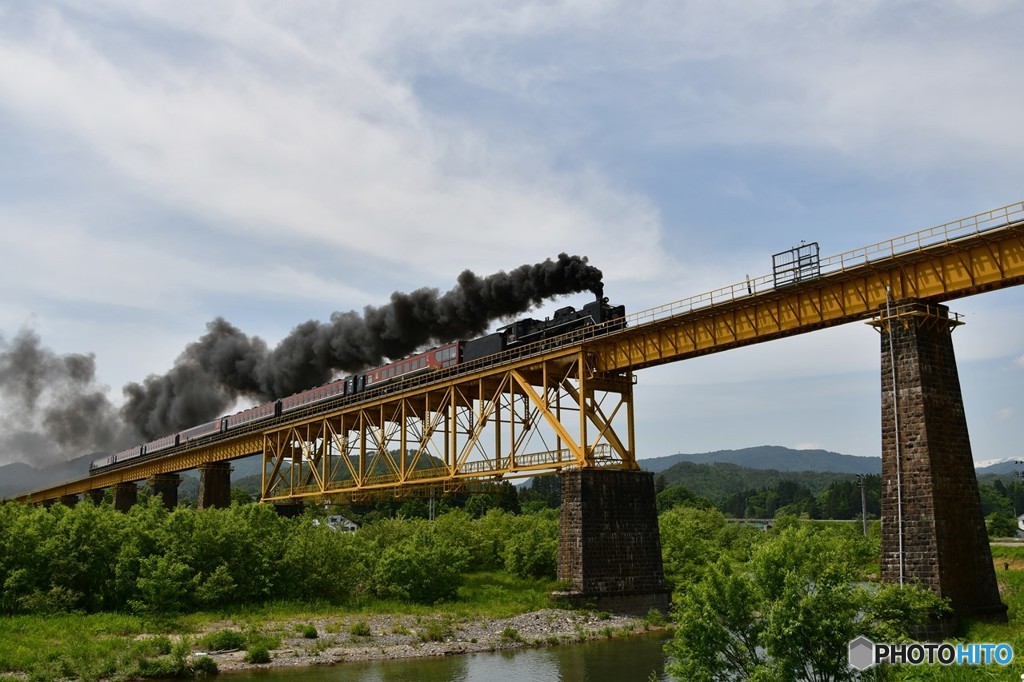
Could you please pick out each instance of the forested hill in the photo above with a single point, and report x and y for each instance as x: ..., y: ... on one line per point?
x: 719, y: 480
x: 773, y: 457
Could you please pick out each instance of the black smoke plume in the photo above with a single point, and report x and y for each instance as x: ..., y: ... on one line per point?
x: 52, y: 405
x: 226, y: 363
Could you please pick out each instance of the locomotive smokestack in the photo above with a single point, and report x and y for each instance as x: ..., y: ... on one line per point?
x: 226, y: 363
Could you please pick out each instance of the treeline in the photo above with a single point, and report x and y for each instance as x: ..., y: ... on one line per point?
x: 841, y: 500
x: 1001, y: 503
x: 719, y: 480
x: 92, y: 558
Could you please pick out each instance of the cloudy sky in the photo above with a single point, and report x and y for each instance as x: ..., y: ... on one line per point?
x: 162, y: 164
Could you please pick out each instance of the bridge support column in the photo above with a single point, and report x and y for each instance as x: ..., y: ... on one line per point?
x: 69, y: 500
x: 290, y: 510
x: 932, y: 526
x: 125, y: 496
x: 96, y: 496
x: 166, y: 486
x: 609, y: 548
x: 214, y: 485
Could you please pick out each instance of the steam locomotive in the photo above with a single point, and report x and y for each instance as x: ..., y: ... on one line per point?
x: 599, y: 314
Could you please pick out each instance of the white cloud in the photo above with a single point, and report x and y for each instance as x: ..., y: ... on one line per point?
x: 339, y: 153
x: 245, y: 155
x: 1005, y: 413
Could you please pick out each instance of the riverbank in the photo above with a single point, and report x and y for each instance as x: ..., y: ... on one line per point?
x: 349, y: 638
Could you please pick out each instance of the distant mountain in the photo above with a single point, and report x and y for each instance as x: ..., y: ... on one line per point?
x: 999, y: 467
x: 773, y: 457
x: 19, y: 478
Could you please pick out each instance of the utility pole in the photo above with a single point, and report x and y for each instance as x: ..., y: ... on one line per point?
x: 863, y: 502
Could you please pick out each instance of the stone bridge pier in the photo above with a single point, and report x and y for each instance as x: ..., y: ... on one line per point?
x: 166, y: 486
x: 214, y: 485
x: 933, y: 531
x: 609, y: 547
x: 125, y: 496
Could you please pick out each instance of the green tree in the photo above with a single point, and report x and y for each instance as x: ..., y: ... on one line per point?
x: 425, y: 567
x: 678, y: 496
x: 543, y: 489
x: 323, y: 563
x: 993, y: 501
x: 693, y: 538
x: 531, y: 550
x: 789, y: 612
x: 1001, y: 525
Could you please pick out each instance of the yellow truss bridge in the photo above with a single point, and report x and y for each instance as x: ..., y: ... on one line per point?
x: 567, y: 403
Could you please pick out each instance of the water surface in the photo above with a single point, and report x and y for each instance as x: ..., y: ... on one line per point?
x: 623, y: 659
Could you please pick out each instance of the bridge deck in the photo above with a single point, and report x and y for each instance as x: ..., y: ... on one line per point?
x: 544, y: 408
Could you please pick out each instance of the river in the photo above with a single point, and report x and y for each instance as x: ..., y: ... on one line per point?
x: 623, y: 659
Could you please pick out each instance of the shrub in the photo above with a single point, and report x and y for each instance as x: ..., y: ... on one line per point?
x: 223, y: 640
x: 360, y: 629
x: 257, y: 654
x: 160, y: 668
x: 205, y: 665
x: 510, y: 634
x: 425, y: 568
x: 434, y: 631
x: 531, y: 551
x: 309, y: 632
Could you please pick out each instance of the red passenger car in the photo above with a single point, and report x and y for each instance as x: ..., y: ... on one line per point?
x: 313, y: 395
x: 250, y: 415
x: 438, y: 358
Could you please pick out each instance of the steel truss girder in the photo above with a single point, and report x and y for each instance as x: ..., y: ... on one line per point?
x: 185, y: 458
x: 945, y: 271
x: 537, y: 415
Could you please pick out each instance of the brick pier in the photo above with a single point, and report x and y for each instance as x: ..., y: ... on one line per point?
x: 166, y: 486
x: 609, y: 547
x: 125, y: 496
x: 214, y: 485
x: 933, y: 531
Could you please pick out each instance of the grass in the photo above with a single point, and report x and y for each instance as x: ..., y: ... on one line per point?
x: 435, y: 631
x: 223, y: 640
x: 110, y: 645
x: 1011, y: 588
x: 510, y: 634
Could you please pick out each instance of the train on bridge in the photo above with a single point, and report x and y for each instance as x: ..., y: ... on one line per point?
x: 519, y: 333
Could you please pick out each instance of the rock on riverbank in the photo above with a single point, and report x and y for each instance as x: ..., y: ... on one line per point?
x: 380, y: 637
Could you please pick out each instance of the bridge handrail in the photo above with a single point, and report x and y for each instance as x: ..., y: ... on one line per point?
x: 1006, y: 216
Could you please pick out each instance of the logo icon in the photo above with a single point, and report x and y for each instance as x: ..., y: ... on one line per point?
x: 862, y: 653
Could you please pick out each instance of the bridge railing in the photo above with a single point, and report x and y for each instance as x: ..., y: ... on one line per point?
x: 909, y: 243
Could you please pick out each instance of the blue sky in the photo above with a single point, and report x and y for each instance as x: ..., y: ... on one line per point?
x: 165, y: 163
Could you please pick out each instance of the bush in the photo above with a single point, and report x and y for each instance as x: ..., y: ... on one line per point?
x: 360, y: 629
x: 257, y: 654
x: 309, y: 632
x: 223, y: 640
x: 510, y: 634
x: 434, y: 631
x: 789, y: 612
x: 160, y: 668
x: 205, y: 665
x: 425, y: 568
x: 531, y: 550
